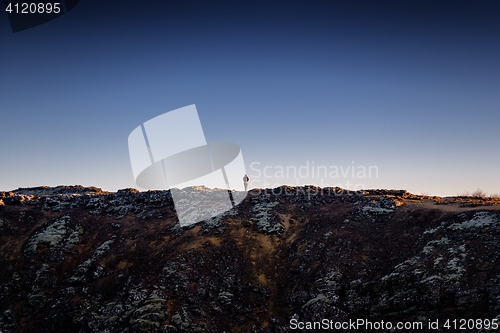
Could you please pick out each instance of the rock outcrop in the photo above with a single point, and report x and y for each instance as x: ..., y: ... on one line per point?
x: 75, y: 259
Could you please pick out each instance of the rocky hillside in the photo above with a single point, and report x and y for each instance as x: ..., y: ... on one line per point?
x: 76, y: 259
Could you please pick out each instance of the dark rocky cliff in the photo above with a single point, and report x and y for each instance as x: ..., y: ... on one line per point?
x: 76, y: 259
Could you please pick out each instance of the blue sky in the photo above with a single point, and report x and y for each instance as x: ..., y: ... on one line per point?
x: 408, y: 87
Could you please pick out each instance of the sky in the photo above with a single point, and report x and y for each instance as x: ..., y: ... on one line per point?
x: 406, y: 89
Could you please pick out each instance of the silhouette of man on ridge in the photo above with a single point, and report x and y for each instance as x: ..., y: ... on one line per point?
x: 245, y: 181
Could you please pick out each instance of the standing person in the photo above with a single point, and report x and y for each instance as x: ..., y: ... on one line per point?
x: 245, y: 181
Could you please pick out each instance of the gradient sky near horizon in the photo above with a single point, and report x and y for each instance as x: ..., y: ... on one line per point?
x: 411, y: 87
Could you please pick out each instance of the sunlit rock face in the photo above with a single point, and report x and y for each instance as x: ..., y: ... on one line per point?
x: 76, y: 259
